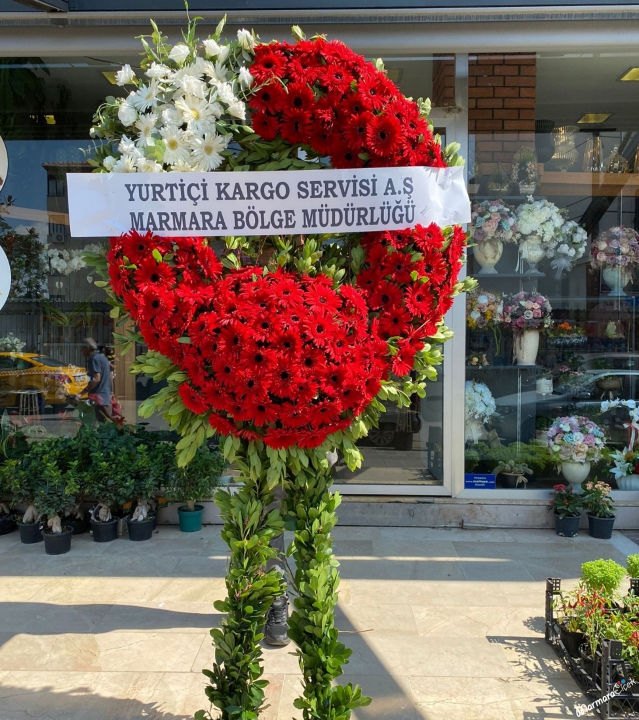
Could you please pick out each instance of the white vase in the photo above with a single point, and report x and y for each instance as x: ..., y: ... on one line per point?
x: 488, y: 254
x: 575, y: 473
x: 532, y: 252
x: 616, y: 278
x: 526, y: 345
x: 474, y: 431
x: 629, y: 482
x: 544, y: 386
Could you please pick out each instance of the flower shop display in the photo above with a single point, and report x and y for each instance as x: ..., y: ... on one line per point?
x: 480, y: 408
x: 514, y: 472
x: 284, y: 346
x: 64, y: 262
x: 527, y: 312
x: 571, y: 247
x: 539, y: 223
x: 575, y: 443
x: 626, y: 461
x: 484, y: 310
x: 566, y: 506
x: 193, y: 483
x: 599, y: 507
x: 524, y: 174
x: 616, y: 252
x: 564, y: 334
x: 11, y: 343
x: 477, y: 360
x: 493, y: 223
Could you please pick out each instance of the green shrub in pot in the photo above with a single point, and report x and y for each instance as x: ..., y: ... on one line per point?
x: 604, y: 576
x: 633, y: 565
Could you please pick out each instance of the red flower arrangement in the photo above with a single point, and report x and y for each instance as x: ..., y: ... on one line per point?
x: 286, y: 357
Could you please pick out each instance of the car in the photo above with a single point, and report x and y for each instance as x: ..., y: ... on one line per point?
x: 52, y: 380
x: 581, y: 396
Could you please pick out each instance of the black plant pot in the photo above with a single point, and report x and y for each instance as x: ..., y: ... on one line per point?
x: 30, y: 533
x: 79, y: 526
x: 571, y: 640
x: 567, y: 526
x: 587, y: 662
x: 140, y: 530
x: 7, y: 524
x: 600, y: 527
x: 58, y: 543
x: 105, y: 531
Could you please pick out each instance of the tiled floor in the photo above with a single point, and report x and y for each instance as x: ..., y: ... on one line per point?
x: 444, y: 625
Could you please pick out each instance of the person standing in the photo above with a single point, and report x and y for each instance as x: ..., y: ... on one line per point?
x: 99, y: 387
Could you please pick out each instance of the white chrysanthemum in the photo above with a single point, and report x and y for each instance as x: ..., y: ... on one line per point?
x: 245, y: 77
x: 206, y: 151
x: 145, y: 97
x: 218, y: 73
x: 126, y: 164
x: 199, y: 115
x: 246, y: 39
x: 145, y: 126
x: 176, y: 145
x: 170, y: 115
x: 147, y: 165
x: 225, y: 92
x: 109, y: 162
x: 125, y: 76
x: 127, y: 146
x: 192, y: 86
x: 179, y: 53
x: 237, y: 109
x: 157, y: 71
x: 127, y: 114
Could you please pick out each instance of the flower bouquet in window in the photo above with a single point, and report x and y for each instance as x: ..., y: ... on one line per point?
x: 493, y: 223
x: 571, y: 246
x: 526, y: 313
x: 615, y: 252
x: 484, y: 311
x: 626, y: 461
x: 564, y: 334
x: 480, y: 408
x: 576, y: 442
x: 477, y: 360
x: 539, y: 223
x: 524, y: 174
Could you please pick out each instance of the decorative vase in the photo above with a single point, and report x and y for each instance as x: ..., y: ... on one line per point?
x: 488, y: 254
x: 526, y: 189
x: 190, y: 520
x: 474, y: 430
x: 532, y: 252
x: 575, y: 473
x: 628, y: 482
x: 600, y: 527
x: 567, y: 526
x: 544, y: 144
x: 565, y: 152
x: 616, y: 279
x: 526, y: 345
x: 544, y: 386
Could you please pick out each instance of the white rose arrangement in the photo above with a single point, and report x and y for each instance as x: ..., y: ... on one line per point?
x: 11, y: 343
x: 571, y: 246
x: 184, y: 110
x: 480, y: 403
x: 541, y: 218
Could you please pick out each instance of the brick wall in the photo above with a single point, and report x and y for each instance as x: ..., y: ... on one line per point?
x: 443, y: 94
x: 501, y: 106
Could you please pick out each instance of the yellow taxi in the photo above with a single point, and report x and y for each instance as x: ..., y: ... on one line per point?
x: 48, y: 381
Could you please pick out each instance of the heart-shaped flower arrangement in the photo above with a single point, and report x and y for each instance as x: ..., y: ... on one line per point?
x: 282, y: 354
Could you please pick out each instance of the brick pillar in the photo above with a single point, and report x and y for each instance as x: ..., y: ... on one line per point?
x: 501, y: 106
x: 443, y: 94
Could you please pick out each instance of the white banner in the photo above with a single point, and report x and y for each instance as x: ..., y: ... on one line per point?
x: 299, y: 202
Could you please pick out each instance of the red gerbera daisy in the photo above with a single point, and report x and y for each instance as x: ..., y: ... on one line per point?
x: 269, y: 62
x: 299, y: 97
x: 383, y: 135
x: 296, y: 127
x: 192, y: 399
x: 373, y: 91
x: 265, y: 125
x: 435, y: 267
x: 271, y: 97
x: 151, y: 274
x: 387, y: 295
x: 357, y: 128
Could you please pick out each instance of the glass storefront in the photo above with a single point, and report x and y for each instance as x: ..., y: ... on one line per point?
x: 552, y: 327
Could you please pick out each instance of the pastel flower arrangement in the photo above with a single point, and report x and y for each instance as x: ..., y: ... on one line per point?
x: 576, y: 439
x: 11, y: 343
x: 483, y: 309
x: 480, y: 403
x: 527, y: 311
x: 493, y: 221
x: 571, y: 246
x: 478, y: 360
x: 617, y: 247
x: 543, y: 219
x: 626, y: 462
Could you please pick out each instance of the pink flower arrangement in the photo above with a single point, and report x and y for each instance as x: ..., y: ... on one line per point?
x: 527, y: 311
x: 617, y: 247
x: 576, y: 439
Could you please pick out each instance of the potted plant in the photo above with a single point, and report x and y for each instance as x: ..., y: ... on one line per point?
x: 484, y: 311
x: 571, y: 610
x: 542, y: 425
x: 195, y: 482
x: 492, y: 224
x: 567, y: 507
x: 20, y: 476
x: 514, y: 472
x: 141, y: 482
x: 615, y: 252
x: 601, y: 516
x: 626, y: 468
x: 604, y: 576
x: 526, y: 313
x: 53, y: 496
x: 632, y: 565
x: 575, y: 442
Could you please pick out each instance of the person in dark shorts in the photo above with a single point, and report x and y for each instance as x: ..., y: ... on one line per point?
x: 99, y: 387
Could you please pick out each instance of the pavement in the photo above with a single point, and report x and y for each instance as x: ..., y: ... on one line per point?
x: 445, y: 624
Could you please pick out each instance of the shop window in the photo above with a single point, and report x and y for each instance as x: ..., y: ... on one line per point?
x: 552, y: 327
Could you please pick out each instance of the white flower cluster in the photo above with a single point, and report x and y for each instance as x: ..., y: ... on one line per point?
x: 543, y: 219
x: 571, y: 245
x: 65, y: 261
x: 11, y: 343
x: 178, y: 111
x: 480, y: 403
